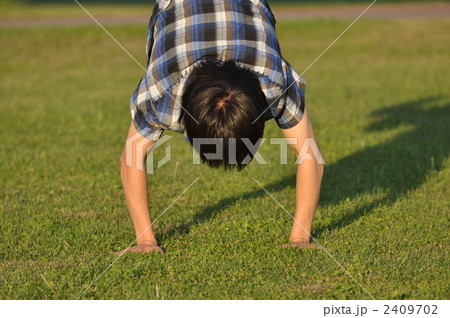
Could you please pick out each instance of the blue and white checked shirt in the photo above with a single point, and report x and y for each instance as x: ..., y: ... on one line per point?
x: 182, y: 33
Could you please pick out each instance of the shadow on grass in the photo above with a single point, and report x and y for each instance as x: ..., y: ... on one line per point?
x: 394, y: 167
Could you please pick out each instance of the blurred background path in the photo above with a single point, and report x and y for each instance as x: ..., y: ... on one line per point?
x: 379, y: 10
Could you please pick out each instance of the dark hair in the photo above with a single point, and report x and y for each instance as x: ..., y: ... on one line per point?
x: 223, y: 100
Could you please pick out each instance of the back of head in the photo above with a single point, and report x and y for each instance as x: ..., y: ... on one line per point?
x: 224, y: 100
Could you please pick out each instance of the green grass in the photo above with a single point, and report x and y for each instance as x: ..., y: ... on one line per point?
x: 380, y: 105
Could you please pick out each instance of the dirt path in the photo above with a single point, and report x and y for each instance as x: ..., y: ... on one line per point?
x: 381, y: 11
x: 386, y: 11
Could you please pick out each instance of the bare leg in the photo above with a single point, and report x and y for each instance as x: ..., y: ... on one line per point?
x: 134, y: 179
x: 309, y: 176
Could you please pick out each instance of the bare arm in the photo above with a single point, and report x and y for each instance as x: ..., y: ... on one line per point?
x: 309, y: 177
x: 134, y: 178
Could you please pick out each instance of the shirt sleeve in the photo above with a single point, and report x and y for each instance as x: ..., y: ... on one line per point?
x: 143, y: 113
x: 291, y: 105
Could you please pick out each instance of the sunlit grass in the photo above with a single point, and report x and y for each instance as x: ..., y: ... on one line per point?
x: 380, y: 106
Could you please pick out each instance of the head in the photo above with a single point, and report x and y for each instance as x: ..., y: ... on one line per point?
x: 225, y: 100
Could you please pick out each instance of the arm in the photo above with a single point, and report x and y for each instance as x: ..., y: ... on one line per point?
x: 309, y: 177
x: 134, y: 178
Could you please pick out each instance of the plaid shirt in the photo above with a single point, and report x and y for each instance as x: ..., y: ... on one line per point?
x: 182, y: 33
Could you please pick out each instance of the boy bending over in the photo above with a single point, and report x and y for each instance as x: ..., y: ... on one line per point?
x: 215, y: 70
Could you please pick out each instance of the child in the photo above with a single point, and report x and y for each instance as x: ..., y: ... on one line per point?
x: 215, y: 70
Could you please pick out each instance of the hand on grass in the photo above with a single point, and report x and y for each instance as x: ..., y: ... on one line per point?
x: 142, y: 248
x: 300, y: 244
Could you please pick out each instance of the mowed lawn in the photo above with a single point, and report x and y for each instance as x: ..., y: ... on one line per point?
x: 380, y: 104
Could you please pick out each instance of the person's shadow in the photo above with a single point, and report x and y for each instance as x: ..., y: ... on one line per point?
x: 395, y: 167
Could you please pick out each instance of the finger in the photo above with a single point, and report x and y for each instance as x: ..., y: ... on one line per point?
x: 119, y: 253
x: 300, y: 245
x: 146, y: 249
x: 156, y: 249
